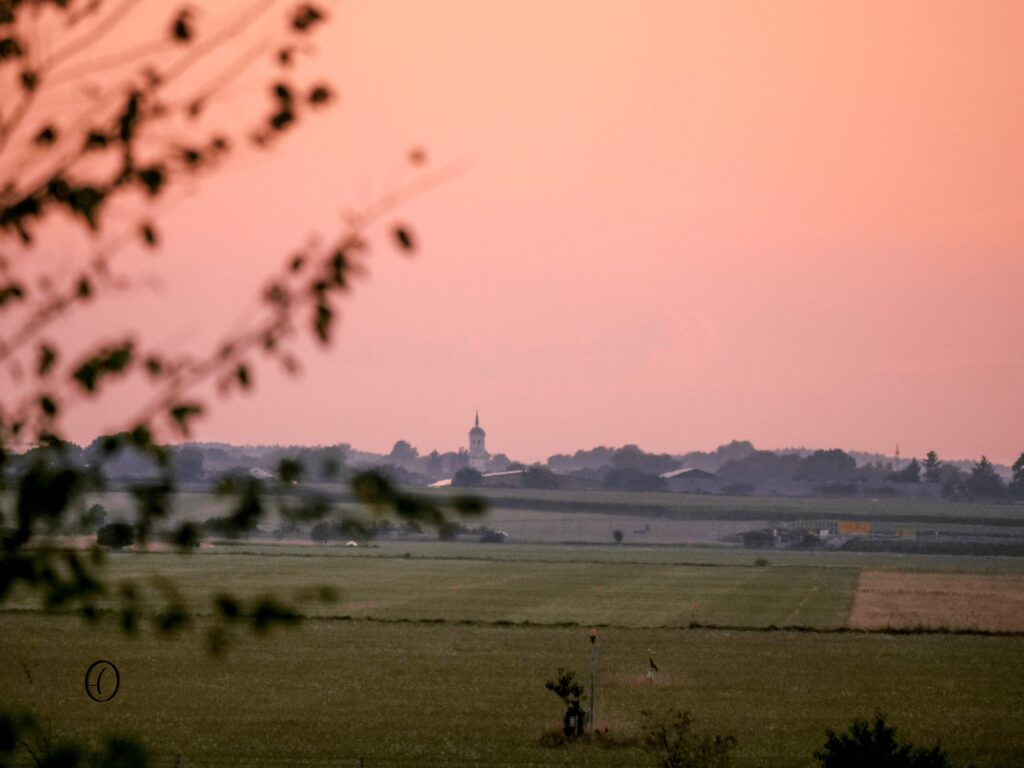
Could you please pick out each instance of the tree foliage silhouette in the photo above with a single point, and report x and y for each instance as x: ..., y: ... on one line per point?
x: 145, y: 125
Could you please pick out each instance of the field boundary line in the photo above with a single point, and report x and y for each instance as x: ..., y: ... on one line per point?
x: 509, y: 624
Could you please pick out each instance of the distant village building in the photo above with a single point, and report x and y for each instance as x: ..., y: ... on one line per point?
x: 477, y: 451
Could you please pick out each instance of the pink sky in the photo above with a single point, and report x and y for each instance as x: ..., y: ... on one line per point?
x: 681, y: 223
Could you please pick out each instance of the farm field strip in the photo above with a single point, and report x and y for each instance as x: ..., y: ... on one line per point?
x: 621, y: 594
x: 963, y: 601
x: 413, y: 695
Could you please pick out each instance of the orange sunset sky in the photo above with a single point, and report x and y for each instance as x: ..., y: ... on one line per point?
x: 678, y: 223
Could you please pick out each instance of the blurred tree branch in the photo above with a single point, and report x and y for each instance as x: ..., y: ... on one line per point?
x: 142, y: 130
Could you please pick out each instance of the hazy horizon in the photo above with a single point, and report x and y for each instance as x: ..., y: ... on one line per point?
x: 802, y: 225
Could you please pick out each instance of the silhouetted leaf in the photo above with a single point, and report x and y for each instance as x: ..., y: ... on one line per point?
x: 322, y: 322
x: 46, y: 135
x: 10, y: 48
x: 320, y: 94
x: 183, y: 413
x: 96, y: 140
x: 404, y: 238
x: 11, y: 292
x: 130, y: 117
x: 283, y: 92
x: 181, y: 27
x: 339, y: 268
x: 305, y: 17
x: 148, y: 232
x: 470, y: 506
x: 29, y: 80
x: 109, y: 360
x: 242, y: 376
x: 47, y: 358
x: 282, y: 119
x: 152, y: 179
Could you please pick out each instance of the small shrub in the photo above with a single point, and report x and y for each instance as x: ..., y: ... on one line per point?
x: 761, y: 562
x: 94, y: 518
x: 671, y: 740
x: 875, y: 745
x: 323, y: 532
x: 566, y: 688
x: 618, y: 536
x: 116, y: 535
x: 467, y: 477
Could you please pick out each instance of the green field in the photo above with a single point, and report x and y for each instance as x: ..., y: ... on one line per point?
x: 420, y: 695
x: 437, y: 652
x: 438, y: 669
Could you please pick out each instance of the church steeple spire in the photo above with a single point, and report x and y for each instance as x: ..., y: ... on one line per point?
x: 477, y: 424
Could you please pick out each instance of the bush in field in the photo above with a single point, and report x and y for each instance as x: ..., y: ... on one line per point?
x: 541, y: 477
x: 570, y: 691
x: 489, y: 536
x: 874, y: 745
x: 324, y: 531
x: 467, y: 477
x: 94, y: 518
x: 449, y: 531
x: 670, y: 739
x: 618, y: 535
x: 116, y: 535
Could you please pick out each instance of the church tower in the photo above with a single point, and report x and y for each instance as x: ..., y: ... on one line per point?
x: 477, y: 452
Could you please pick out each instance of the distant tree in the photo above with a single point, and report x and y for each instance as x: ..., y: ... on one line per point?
x: 631, y: 479
x: 618, y: 535
x: 632, y: 457
x: 541, y: 477
x: 909, y: 474
x: 671, y: 740
x: 761, y: 466
x: 188, y: 464
x: 94, y: 517
x: 932, y: 468
x: 875, y: 745
x: 499, y: 462
x: 116, y: 536
x: 488, y: 536
x: 433, y: 465
x: 737, y: 449
x: 467, y: 477
x: 595, y: 458
x: 403, y: 453
x: 1017, y: 484
x: 984, y: 482
x: 450, y: 531
x: 515, y: 466
x: 324, y: 532
x: 954, y: 482
x: 832, y: 465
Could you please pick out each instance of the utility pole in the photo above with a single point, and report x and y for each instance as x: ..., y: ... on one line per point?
x: 593, y: 680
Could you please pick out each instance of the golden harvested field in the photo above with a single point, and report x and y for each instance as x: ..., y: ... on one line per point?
x: 952, y: 600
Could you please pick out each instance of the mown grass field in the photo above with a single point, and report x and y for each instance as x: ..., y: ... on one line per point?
x: 438, y: 675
